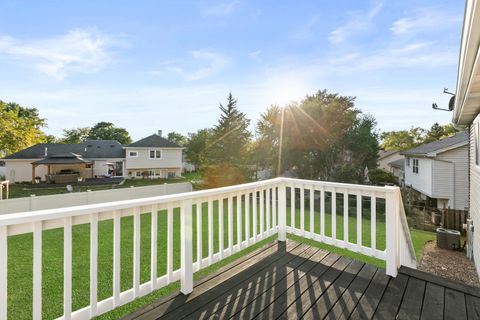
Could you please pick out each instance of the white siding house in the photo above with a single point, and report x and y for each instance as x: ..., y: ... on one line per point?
x: 153, y: 157
x: 387, y: 157
x: 467, y: 111
x: 439, y: 170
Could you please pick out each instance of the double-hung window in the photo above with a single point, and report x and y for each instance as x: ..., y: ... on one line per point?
x: 155, y: 154
x: 415, y: 165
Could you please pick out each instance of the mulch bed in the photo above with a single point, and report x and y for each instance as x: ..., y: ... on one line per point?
x: 453, y: 265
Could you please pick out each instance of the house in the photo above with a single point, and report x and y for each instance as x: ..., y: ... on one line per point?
x: 386, y: 157
x: 151, y: 157
x: 439, y: 171
x: 397, y: 168
x: 466, y: 112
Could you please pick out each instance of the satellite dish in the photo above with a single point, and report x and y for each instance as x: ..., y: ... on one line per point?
x: 451, y: 103
x: 69, y: 188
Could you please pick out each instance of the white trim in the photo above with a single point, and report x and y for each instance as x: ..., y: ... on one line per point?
x: 130, y: 152
x: 155, y: 154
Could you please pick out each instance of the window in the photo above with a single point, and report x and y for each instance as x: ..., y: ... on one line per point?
x: 155, y: 154
x: 408, y: 162
x: 138, y: 173
x: 133, y: 154
x: 415, y: 165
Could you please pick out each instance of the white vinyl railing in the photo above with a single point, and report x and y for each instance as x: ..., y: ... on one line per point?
x: 239, y: 216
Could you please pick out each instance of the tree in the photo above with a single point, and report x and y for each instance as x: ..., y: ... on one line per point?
x: 229, y: 147
x: 197, y: 148
x: 107, y: 131
x: 438, y: 132
x: 178, y: 138
x: 403, y: 139
x: 75, y: 135
x: 20, y: 127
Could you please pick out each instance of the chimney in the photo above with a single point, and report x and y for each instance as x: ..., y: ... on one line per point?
x: 46, y: 151
x: 159, y: 133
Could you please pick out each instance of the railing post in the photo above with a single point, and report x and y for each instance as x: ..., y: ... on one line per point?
x: 282, y: 212
x: 391, y: 217
x: 186, y: 277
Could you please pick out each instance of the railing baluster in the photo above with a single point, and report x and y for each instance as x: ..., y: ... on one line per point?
x: 292, y: 207
x: 302, y: 210
x: 3, y: 272
x: 255, y: 227
x: 116, y: 258
x: 274, y: 208
x: 239, y: 221
x: 210, y: 230
x: 221, y: 234
x: 312, y: 207
x: 67, y: 268
x: 345, y: 216
x: 247, y: 218
x: 334, y: 215
x: 154, y: 246
x: 268, y: 210
x: 169, y: 243
x: 230, y: 223
x: 322, y: 213
x: 136, y: 252
x: 282, y: 212
x: 262, y: 214
x: 186, y: 279
x: 199, y: 234
x: 37, y: 270
x: 93, y: 263
x: 373, y: 223
x: 359, y: 221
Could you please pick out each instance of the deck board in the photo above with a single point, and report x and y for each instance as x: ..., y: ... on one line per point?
x: 292, y: 281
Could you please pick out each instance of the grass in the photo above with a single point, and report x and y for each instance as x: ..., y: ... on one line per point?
x: 20, y: 255
x: 20, y: 190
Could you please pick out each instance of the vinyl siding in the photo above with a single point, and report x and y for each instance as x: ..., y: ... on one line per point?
x: 421, y: 181
x: 21, y: 170
x: 443, y: 177
x: 383, y: 163
x: 459, y: 157
x: 171, y: 158
x: 475, y: 195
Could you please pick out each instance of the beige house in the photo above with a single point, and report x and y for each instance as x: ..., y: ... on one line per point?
x: 153, y: 157
x: 386, y: 157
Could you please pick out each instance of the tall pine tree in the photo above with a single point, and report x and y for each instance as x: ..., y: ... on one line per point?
x: 229, y: 147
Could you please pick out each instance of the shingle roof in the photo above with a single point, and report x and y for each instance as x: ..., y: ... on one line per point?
x: 460, y: 138
x: 400, y: 163
x: 89, y: 149
x: 383, y: 154
x: 154, y: 141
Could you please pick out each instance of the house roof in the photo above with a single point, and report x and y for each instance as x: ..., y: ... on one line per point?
x: 400, y: 163
x: 63, y: 158
x: 154, y: 141
x: 383, y: 154
x: 89, y: 149
x: 432, y: 148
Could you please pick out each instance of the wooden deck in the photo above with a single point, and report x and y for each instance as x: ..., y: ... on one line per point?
x: 291, y: 281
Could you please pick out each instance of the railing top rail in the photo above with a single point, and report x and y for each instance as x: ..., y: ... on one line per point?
x: 49, y: 214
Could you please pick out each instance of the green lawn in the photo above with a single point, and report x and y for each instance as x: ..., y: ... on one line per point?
x: 25, y: 190
x: 20, y: 257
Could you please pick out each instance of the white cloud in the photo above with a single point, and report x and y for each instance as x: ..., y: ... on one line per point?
x: 79, y: 50
x: 360, y: 22
x: 255, y: 55
x: 221, y: 9
x: 201, y: 64
x: 427, y: 19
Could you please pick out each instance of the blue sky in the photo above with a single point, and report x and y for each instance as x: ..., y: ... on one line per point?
x: 148, y: 65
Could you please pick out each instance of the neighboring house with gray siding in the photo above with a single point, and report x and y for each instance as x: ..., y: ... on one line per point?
x: 439, y: 170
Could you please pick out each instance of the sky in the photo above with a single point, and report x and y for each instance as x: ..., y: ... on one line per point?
x: 150, y: 65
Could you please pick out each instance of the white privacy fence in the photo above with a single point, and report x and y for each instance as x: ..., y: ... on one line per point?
x: 89, y: 197
x: 211, y: 225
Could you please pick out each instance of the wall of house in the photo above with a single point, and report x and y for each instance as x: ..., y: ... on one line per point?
x: 21, y: 170
x: 421, y: 181
x: 459, y: 157
x: 171, y: 158
x: 475, y: 189
x: 443, y: 178
x: 383, y: 163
